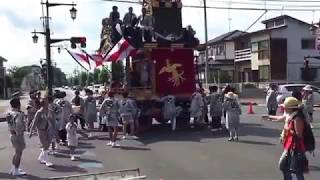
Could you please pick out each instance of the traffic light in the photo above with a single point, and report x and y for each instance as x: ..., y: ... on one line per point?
x: 78, y: 40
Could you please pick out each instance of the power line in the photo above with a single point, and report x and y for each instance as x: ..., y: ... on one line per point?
x: 290, y: 1
x: 238, y: 8
x: 256, y: 20
x: 267, y: 4
x: 253, y: 9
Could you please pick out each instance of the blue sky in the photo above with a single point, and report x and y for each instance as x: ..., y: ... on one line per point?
x: 20, y: 17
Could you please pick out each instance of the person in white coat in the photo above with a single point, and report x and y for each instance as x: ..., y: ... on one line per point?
x: 72, y: 138
x: 109, y: 111
x: 63, y: 116
x: 233, y: 111
x: 271, y: 100
x: 16, y: 124
x: 169, y: 109
x: 215, y: 107
x: 41, y: 122
x: 90, y: 111
x: 127, y: 114
x: 196, y: 108
x: 307, y: 101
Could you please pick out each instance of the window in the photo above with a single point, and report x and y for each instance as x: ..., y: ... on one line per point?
x: 279, y: 22
x: 270, y: 25
x: 262, y: 47
x: 307, y: 44
x: 220, y: 50
x: 264, y: 73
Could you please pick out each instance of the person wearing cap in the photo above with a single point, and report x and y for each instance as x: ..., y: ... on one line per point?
x: 41, y: 122
x: 233, y: 111
x: 196, y: 108
x: 90, y: 112
x: 32, y: 107
x: 16, y: 125
x: 307, y: 101
x: 271, y: 100
x: 109, y: 112
x: 293, y: 138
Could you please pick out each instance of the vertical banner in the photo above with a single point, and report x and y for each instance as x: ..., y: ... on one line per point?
x: 174, y: 71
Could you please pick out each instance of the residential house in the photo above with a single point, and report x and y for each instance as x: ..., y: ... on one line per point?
x: 275, y: 53
x: 220, y: 58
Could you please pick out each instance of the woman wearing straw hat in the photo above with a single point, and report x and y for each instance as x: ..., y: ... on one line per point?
x: 233, y: 111
x: 293, y: 143
x: 307, y: 100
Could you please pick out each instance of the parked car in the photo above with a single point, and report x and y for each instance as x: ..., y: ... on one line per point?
x: 286, y: 90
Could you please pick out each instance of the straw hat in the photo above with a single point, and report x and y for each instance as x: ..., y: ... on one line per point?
x: 291, y: 103
x: 307, y: 88
x: 231, y: 95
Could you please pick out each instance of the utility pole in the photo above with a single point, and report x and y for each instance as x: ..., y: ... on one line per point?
x: 48, y: 53
x: 206, y: 41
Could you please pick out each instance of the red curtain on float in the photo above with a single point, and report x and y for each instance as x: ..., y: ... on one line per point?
x: 174, y: 71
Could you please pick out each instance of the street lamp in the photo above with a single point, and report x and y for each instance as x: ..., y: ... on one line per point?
x: 35, y: 37
x: 49, y: 41
x: 73, y: 13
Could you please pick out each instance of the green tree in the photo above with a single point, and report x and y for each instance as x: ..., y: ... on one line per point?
x: 59, y: 77
x: 117, y: 71
x: 104, y: 75
x: 96, y: 79
x: 83, y: 78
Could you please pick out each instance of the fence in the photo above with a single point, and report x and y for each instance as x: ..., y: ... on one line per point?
x: 124, y: 174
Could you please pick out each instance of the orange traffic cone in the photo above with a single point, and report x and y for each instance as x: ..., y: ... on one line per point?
x: 250, y: 108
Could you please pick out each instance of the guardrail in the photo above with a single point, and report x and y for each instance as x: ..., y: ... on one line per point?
x: 124, y: 174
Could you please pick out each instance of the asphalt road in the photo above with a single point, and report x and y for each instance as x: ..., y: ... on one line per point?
x: 162, y: 154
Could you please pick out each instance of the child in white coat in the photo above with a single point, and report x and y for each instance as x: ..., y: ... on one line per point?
x: 72, y: 138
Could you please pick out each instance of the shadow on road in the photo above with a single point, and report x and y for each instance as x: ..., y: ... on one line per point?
x: 63, y: 168
x: 314, y: 168
x: 85, y: 145
x: 256, y: 142
x: 163, y: 132
x: 8, y: 176
x: 130, y: 148
x: 252, y: 129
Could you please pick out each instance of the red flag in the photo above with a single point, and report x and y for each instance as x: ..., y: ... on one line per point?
x: 96, y: 57
x: 81, y: 58
x: 119, y: 51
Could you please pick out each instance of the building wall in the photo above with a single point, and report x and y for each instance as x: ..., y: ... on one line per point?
x: 294, y: 33
x: 255, y: 62
x: 230, y: 50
